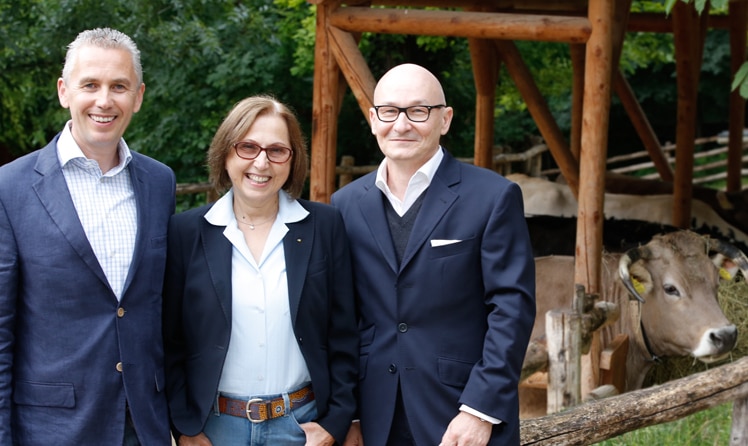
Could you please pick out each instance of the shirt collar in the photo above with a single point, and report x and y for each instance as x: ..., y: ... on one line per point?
x: 424, y: 174
x: 222, y: 213
x: 68, y: 149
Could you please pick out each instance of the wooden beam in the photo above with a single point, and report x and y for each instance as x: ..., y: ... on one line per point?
x: 577, y: 94
x: 642, y: 126
x: 595, y: 421
x: 354, y: 67
x: 480, y: 25
x: 325, y: 109
x: 540, y: 112
x: 738, y: 19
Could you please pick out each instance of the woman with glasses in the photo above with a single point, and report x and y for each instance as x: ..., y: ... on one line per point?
x: 259, y: 321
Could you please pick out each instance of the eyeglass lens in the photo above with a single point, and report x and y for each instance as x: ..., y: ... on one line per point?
x: 416, y: 113
x: 250, y: 151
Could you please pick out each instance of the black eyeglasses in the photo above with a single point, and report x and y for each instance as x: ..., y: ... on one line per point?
x: 416, y: 113
x: 249, y: 151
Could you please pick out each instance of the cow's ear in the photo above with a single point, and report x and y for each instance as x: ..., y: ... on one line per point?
x: 727, y: 268
x: 641, y: 280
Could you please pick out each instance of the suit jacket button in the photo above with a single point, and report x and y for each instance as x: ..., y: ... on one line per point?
x: 118, y: 367
x: 120, y: 312
x: 392, y: 368
x: 402, y: 327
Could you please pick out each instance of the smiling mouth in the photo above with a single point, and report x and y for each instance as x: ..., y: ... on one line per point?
x: 258, y: 179
x: 102, y: 119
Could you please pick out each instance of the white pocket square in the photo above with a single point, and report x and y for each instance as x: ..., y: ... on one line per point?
x: 438, y: 242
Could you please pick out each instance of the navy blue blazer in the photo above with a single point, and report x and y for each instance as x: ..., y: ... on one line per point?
x: 197, y: 314
x: 451, y: 323
x: 70, y: 353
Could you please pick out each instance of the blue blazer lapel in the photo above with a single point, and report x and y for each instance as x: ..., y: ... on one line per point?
x: 54, y: 195
x: 297, y: 247
x: 437, y: 201
x: 218, y: 251
x: 372, y: 209
x: 142, y: 198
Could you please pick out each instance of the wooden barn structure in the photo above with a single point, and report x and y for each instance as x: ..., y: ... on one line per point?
x: 594, y: 29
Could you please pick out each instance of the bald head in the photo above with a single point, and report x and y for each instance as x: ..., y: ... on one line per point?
x: 409, y: 78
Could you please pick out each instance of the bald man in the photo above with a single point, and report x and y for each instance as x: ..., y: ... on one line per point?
x: 444, y: 279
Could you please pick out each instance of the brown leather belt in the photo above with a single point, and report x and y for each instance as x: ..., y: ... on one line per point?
x: 258, y: 410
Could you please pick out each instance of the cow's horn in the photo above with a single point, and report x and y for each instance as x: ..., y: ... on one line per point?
x: 732, y: 253
x: 631, y: 256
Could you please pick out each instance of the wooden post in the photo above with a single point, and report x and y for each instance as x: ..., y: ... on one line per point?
x: 594, y: 145
x: 486, y: 75
x: 738, y: 19
x: 325, y: 107
x: 345, y: 177
x: 739, y: 433
x: 688, y: 35
x: 564, y: 338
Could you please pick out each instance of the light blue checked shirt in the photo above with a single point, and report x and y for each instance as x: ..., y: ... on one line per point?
x: 105, y: 203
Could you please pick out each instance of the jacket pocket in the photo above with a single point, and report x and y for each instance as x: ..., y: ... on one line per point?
x: 454, y: 372
x: 44, y: 394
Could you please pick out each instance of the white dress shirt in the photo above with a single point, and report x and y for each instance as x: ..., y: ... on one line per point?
x: 263, y: 357
x: 418, y: 183
x: 105, y: 203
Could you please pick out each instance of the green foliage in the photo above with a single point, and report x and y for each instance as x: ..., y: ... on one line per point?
x: 707, y: 428
x: 199, y: 58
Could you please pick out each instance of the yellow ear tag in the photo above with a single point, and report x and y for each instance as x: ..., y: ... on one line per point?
x: 724, y: 274
x: 638, y: 286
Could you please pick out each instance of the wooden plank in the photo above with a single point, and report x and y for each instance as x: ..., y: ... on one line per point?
x: 613, y: 363
x: 480, y: 25
x: 564, y: 337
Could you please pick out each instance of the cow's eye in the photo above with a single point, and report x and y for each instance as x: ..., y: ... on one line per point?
x: 671, y: 290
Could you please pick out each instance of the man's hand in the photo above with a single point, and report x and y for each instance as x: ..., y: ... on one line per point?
x: 316, y: 435
x: 354, y: 438
x: 198, y: 440
x: 467, y: 430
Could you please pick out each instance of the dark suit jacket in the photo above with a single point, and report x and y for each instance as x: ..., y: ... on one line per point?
x: 197, y: 314
x: 62, y: 330
x: 453, y: 320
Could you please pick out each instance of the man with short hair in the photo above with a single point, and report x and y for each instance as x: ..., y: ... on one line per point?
x: 445, y: 281
x: 83, y: 225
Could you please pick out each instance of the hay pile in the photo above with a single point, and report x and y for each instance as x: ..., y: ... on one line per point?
x: 733, y: 297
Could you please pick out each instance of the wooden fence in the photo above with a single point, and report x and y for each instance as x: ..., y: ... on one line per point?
x: 530, y: 162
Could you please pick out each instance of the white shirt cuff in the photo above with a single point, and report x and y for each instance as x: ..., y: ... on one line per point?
x: 480, y: 415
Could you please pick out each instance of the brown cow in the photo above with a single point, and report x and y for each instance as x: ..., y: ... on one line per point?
x: 676, y: 314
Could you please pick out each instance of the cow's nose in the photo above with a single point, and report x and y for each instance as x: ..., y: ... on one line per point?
x: 724, y: 339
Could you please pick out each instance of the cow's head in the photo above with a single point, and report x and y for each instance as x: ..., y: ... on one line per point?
x: 676, y: 282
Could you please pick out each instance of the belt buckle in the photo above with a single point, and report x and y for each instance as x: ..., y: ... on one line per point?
x: 249, y: 411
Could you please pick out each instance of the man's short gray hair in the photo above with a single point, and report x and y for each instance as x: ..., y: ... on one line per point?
x: 102, y: 38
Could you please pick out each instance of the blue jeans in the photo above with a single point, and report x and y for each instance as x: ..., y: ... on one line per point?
x: 228, y: 430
